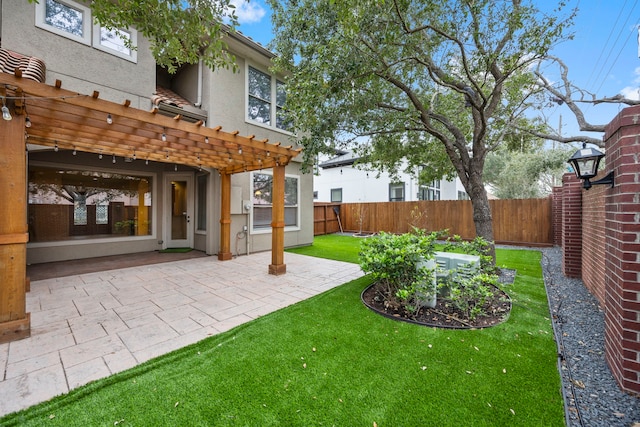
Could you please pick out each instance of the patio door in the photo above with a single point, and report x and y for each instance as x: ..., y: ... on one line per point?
x: 178, y: 210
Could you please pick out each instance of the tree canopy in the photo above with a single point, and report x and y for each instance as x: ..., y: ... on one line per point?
x: 179, y: 31
x: 438, y: 83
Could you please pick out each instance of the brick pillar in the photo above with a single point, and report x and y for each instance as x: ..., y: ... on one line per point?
x: 556, y: 214
x: 571, y: 226
x: 622, y: 228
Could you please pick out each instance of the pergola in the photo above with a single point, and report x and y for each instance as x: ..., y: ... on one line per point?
x: 52, y: 116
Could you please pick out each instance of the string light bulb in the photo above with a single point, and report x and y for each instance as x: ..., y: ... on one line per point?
x: 240, y: 150
x: 175, y: 167
x: 27, y: 122
x: 114, y: 159
x: 100, y: 155
x: 146, y: 162
x: 55, y: 147
x: 74, y: 151
x: 164, y: 137
x: 6, y: 114
x: 109, y: 119
x: 206, y: 139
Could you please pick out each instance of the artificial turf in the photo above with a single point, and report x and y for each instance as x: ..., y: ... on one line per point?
x: 331, y: 361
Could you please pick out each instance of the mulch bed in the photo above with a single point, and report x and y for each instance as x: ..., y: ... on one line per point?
x: 443, y: 315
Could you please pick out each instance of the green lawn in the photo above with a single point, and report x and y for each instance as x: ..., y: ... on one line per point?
x: 330, y: 361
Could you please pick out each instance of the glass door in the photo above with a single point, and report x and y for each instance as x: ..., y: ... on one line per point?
x: 178, y: 211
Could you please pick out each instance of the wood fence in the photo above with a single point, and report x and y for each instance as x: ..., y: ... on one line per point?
x: 521, y: 221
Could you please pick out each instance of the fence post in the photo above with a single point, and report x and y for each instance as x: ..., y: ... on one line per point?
x: 622, y: 249
x: 571, y: 226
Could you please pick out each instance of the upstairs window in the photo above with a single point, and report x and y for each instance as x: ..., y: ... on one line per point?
x: 65, y: 18
x: 259, y: 96
x: 266, y: 98
x: 73, y: 20
x: 116, y: 42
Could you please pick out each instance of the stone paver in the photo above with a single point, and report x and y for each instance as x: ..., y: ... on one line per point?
x: 90, y: 326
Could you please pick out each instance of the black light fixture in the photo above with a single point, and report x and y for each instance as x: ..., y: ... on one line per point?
x: 585, y: 164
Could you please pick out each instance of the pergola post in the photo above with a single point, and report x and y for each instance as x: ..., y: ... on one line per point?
x: 277, y: 265
x: 15, y: 323
x: 224, y: 253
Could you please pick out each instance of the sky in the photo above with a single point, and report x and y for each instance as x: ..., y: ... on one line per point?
x: 602, y: 57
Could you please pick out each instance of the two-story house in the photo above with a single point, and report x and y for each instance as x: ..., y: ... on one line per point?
x: 117, y: 197
x: 345, y: 179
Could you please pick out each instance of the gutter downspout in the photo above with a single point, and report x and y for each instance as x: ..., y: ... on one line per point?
x: 198, y: 103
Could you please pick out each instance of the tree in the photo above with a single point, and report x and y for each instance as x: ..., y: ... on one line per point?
x: 179, y: 31
x: 438, y: 83
x: 562, y: 91
x: 525, y: 174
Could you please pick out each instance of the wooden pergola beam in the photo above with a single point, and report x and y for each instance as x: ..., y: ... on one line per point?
x: 72, y: 121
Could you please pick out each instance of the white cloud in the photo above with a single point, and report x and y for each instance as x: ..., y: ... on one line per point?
x: 248, y: 13
x: 631, y: 92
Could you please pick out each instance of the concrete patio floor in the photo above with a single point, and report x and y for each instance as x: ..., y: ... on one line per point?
x: 88, y: 326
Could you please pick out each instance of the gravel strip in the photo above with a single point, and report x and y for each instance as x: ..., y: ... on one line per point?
x: 592, y: 396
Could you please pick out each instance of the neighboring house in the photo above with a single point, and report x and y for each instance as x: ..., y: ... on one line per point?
x: 85, y: 203
x: 341, y: 179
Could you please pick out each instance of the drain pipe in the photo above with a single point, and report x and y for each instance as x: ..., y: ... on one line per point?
x: 198, y: 103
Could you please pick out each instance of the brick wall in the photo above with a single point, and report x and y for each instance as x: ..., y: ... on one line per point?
x: 593, y: 240
x: 601, y: 244
x: 622, y: 282
x: 571, y: 226
x: 556, y: 213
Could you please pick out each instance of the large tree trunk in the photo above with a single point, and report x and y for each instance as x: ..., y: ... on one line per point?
x: 482, y: 218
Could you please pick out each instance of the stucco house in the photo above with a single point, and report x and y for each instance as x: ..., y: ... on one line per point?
x: 123, y: 157
x: 344, y: 178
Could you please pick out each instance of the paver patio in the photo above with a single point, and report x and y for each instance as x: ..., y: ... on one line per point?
x: 89, y: 326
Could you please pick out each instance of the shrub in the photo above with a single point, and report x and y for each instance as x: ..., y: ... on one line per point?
x: 392, y: 259
x: 478, y: 246
x: 470, y: 295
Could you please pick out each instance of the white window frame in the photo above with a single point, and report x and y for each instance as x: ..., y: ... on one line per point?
x: 267, y: 230
x: 133, y: 35
x: 273, y: 102
x: 41, y: 14
x: 91, y: 33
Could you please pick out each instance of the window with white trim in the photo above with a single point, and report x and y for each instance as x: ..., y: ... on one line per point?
x: 65, y: 18
x: 73, y: 20
x: 262, y: 200
x: 120, y: 42
x: 265, y: 99
x: 429, y: 192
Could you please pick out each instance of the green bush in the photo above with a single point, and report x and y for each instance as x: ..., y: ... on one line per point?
x: 392, y: 259
x: 470, y: 295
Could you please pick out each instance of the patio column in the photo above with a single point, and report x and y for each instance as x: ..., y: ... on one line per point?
x: 277, y: 265
x: 224, y: 253
x: 15, y: 323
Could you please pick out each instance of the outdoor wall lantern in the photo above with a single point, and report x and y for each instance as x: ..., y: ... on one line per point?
x: 585, y: 163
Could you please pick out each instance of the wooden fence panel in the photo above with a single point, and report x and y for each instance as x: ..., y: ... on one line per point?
x: 325, y: 220
x: 521, y: 221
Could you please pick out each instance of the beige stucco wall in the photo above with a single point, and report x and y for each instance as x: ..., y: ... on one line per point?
x: 79, y: 67
x: 84, y: 69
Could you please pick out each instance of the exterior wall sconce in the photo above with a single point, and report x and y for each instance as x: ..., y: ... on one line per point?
x: 585, y: 163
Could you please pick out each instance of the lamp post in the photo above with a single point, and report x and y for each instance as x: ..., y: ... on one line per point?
x: 585, y: 164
